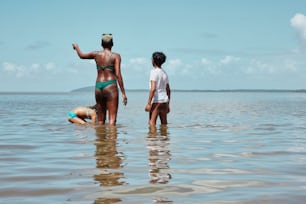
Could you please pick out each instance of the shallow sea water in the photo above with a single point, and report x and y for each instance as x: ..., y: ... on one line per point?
x: 219, y: 147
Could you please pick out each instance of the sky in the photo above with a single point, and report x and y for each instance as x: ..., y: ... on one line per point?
x: 209, y: 44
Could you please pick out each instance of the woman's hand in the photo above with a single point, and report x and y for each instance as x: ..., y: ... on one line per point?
x: 75, y: 46
x: 124, y: 99
x: 148, y: 107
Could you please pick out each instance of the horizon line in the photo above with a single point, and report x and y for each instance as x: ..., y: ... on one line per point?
x: 173, y: 90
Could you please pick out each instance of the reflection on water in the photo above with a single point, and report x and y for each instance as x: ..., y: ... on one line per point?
x: 241, y: 148
x: 159, y: 154
x: 109, y: 160
x: 107, y: 200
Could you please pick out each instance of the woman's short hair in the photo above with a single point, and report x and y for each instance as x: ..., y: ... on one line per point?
x: 107, y: 40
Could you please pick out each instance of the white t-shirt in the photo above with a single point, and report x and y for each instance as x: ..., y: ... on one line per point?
x: 161, y: 78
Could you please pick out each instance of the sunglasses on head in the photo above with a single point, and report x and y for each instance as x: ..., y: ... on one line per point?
x: 106, y: 34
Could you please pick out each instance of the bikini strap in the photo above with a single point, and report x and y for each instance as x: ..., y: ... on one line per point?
x: 108, y: 62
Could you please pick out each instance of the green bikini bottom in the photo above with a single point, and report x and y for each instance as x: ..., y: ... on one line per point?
x: 101, y: 85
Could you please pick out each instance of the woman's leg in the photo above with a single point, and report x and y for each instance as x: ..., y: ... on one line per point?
x: 101, y: 106
x: 112, y: 98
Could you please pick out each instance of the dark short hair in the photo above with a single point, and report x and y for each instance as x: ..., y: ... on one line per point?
x: 159, y: 58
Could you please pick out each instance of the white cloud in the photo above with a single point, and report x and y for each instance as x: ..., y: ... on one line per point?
x: 298, y: 22
x: 12, y: 69
x: 8, y: 67
x: 21, y: 71
x: 229, y: 59
x: 290, y: 65
x: 138, y: 60
x: 205, y: 61
x: 138, y: 64
x: 186, y: 69
x: 35, y: 67
x: 217, y: 67
x: 256, y: 66
x: 273, y: 65
x: 212, y: 70
x: 173, y: 66
x: 50, y: 66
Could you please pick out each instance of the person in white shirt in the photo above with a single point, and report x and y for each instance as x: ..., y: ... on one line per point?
x: 159, y: 94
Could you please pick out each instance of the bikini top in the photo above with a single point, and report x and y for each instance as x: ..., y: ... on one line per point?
x: 88, y: 113
x: 110, y: 67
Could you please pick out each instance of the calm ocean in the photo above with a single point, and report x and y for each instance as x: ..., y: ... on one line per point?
x: 219, y: 147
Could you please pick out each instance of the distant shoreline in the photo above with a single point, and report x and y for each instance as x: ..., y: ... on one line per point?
x: 91, y: 89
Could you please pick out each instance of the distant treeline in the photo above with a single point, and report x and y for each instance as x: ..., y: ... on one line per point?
x: 92, y: 88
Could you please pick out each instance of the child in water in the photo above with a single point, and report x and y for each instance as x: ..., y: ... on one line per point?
x: 159, y: 94
x: 79, y: 114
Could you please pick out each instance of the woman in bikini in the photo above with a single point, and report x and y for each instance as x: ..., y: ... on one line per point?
x: 79, y: 115
x: 109, y: 73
